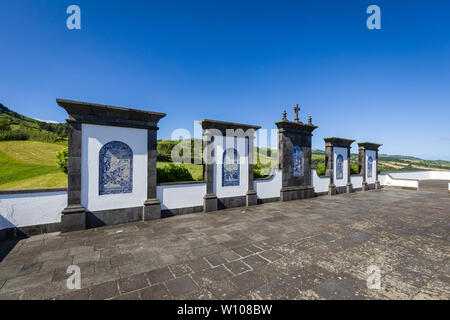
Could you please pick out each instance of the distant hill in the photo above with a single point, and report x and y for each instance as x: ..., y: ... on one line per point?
x: 15, y: 126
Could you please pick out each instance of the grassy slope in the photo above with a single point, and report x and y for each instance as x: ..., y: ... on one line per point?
x: 30, y: 165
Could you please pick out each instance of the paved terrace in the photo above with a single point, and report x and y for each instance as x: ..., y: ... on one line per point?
x: 309, y: 249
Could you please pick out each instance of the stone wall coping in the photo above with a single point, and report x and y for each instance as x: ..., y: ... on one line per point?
x: 337, y: 142
x: 223, y: 125
x: 31, y: 191
x: 162, y: 184
x: 369, y: 145
x: 93, y: 113
x: 293, y: 125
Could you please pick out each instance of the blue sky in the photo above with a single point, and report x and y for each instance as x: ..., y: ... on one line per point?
x: 240, y: 61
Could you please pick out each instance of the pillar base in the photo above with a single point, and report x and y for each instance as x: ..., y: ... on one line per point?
x: 251, y: 198
x: 152, y: 210
x: 365, y: 186
x: 210, y: 203
x: 73, y: 218
x: 296, y: 193
x: 377, y: 185
x: 332, y: 190
x: 349, y: 188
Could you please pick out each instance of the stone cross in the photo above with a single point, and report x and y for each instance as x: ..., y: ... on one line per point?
x: 296, y: 109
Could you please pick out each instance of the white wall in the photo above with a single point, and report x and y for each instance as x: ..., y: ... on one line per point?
x: 388, y: 180
x: 356, y: 181
x: 94, y: 137
x: 416, y: 175
x: 181, y: 195
x: 440, y: 175
x: 221, y: 143
x: 269, y: 188
x: 373, y: 154
x: 22, y: 210
x: 320, y: 184
x: 343, y: 152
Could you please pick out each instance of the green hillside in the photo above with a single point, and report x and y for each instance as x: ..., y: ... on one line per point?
x: 14, y: 126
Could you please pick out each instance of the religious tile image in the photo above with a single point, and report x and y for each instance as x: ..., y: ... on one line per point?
x: 230, y: 168
x: 340, y: 167
x: 115, y: 168
x: 369, y: 167
x: 297, y: 162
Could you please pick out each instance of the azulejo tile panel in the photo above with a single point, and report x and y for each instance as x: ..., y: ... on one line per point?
x: 369, y: 167
x: 297, y: 162
x: 339, y: 167
x: 115, y: 168
x: 230, y: 168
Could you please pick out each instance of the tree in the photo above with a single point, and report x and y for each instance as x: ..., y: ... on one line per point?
x: 4, y: 125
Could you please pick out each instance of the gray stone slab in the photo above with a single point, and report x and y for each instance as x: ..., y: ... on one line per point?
x: 181, y: 286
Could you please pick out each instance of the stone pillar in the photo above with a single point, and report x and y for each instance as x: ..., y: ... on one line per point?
x: 294, y: 148
x: 349, y: 177
x: 210, y: 199
x: 330, y: 146
x: 73, y: 217
x: 152, y: 206
x: 329, y: 168
x: 363, y: 148
x: 251, y: 196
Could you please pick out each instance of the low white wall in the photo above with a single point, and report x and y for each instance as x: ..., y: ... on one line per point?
x: 269, y: 188
x: 416, y: 175
x: 388, y: 180
x: 320, y: 184
x: 356, y: 181
x: 440, y: 175
x: 181, y: 195
x: 23, y: 210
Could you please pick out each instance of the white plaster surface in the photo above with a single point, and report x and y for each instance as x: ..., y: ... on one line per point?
x: 93, y: 138
x: 22, y: 210
x: 181, y: 196
x: 320, y: 184
x: 343, y: 152
x: 221, y: 143
x: 269, y: 188
x: 356, y: 181
x: 388, y: 180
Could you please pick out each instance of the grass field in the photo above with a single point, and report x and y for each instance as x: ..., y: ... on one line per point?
x: 30, y: 165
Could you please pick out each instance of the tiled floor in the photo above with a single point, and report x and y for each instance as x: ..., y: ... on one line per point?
x: 310, y: 249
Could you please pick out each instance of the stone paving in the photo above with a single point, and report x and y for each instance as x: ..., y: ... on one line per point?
x: 309, y: 249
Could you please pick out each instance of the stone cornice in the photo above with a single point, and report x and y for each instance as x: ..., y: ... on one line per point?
x: 223, y: 127
x: 369, y: 145
x: 338, y: 142
x: 91, y: 113
x: 295, y: 126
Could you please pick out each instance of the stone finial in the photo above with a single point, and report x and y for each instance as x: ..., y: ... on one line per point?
x: 284, y: 115
x: 296, y: 110
x: 310, y: 120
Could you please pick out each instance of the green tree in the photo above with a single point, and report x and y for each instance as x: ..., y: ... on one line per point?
x: 4, y: 125
x: 63, y: 159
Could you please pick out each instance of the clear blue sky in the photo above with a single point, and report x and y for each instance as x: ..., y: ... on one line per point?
x: 240, y: 61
